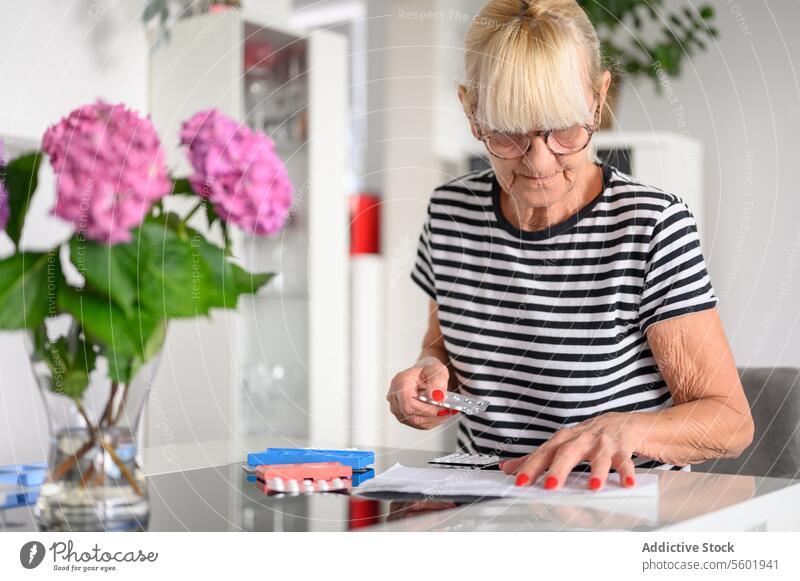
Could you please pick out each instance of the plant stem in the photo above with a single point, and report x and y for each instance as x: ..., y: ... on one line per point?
x: 122, y: 468
x: 86, y: 475
x: 190, y: 214
x: 106, y: 417
x: 121, y: 406
x: 62, y: 468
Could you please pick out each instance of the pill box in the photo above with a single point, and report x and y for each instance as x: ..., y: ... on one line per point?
x: 356, y: 459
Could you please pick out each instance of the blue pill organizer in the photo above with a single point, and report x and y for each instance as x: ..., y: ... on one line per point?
x: 356, y: 459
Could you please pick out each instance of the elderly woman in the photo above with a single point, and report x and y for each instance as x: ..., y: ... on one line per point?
x: 572, y: 297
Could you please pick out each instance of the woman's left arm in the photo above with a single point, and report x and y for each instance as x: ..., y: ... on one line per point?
x: 710, y: 417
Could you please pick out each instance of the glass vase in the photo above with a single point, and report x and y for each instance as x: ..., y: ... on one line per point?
x: 95, y: 481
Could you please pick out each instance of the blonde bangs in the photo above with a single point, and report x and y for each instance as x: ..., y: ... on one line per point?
x: 531, y: 77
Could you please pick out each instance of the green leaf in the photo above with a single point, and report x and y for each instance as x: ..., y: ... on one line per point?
x: 677, y: 22
x: 151, y: 345
x: 21, y: 179
x: 174, y: 276
x: 122, y: 340
x: 71, y: 360
x: 228, y: 280
x: 112, y: 270
x: 28, y: 285
x: 103, y: 322
x: 74, y: 384
x: 249, y: 282
x: 211, y: 214
x: 181, y: 186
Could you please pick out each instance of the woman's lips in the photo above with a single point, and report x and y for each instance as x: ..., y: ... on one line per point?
x: 540, y: 180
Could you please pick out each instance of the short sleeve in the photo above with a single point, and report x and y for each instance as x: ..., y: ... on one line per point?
x: 676, y: 281
x: 422, y: 271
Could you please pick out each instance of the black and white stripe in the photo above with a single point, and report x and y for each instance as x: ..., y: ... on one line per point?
x: 549, y: 325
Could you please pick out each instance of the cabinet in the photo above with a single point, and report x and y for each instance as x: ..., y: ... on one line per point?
x: 280, y: 362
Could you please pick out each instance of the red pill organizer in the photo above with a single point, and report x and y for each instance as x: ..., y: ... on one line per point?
x: 305, y: 478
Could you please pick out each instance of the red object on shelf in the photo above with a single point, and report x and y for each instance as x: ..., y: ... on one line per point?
x: 364, y: 224
x: 363, y: 512
x: 218, y: 7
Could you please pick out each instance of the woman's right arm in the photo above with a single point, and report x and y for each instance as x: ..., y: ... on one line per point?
x: 429, y: 375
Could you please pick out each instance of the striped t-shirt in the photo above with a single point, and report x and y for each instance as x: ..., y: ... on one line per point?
x: 549, y: 325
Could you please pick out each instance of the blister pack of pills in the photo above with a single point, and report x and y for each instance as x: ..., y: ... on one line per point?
x: 306, y: 478
x: 462, y: 459
x: 293, y: 487
x: 455, y: 401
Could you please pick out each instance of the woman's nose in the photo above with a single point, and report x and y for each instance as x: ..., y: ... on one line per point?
x: 539, y: 155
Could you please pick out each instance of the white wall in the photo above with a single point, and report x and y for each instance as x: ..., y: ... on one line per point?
x: 412, y: 78
x: 55, y: 56
x: 742, y: 100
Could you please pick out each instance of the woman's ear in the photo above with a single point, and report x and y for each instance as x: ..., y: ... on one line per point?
x: 466, y: 104
x: 604, y: 85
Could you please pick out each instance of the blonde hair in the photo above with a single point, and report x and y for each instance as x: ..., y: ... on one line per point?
x: 528, y: 64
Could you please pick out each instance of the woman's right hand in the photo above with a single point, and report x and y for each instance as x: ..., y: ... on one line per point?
x: 428, y: 376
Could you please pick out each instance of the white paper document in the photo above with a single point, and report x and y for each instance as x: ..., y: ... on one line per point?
x: 454, y: 482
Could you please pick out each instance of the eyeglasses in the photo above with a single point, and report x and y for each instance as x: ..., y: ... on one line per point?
x: 560, y: 141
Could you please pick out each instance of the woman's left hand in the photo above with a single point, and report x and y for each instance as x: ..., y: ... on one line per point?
x: 606, y: 441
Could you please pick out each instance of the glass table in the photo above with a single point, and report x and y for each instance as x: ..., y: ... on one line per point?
x: 222, y: 498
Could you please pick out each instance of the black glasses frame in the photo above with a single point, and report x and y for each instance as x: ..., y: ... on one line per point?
x: 590, y: 129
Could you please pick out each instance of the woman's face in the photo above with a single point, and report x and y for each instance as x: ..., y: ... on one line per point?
x: 541, y: 178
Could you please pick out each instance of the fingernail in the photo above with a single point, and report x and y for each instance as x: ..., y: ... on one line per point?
x: 500, y: 466
x: 522, y: 480
x: 437, y: 395
x: 551, y: 482
x: 594, y: 483
x: 453, y: 412
x: 443, y: 413
x: 629, y: 481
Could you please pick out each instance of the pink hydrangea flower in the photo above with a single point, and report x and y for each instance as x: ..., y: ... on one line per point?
x: 3, y: 195
x: 238, y: 171
x: 110, y: 170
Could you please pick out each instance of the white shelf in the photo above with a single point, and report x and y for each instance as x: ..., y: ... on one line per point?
x: 301, y: 328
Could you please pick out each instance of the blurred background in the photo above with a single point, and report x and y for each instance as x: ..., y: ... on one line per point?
x: 360, y: 98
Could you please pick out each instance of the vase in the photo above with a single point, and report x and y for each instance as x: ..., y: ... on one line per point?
x: 95, y: 480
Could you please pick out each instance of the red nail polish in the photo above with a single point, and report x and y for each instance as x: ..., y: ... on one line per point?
x: 594, y: 483
x: 522, y: 480
x: 437, y: 395
x: 629, y: 481
x: 443, y: 413
x: 453, y: 412
x: 551, y: 482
